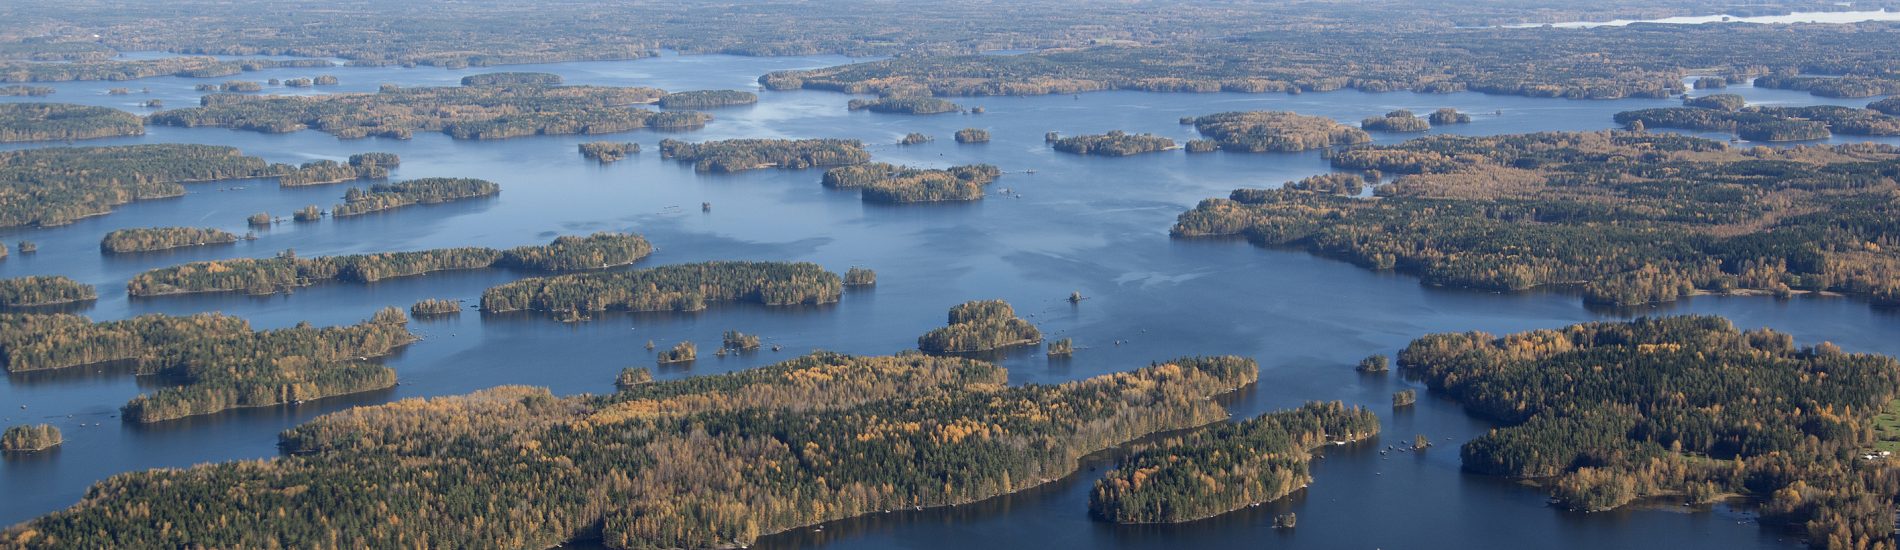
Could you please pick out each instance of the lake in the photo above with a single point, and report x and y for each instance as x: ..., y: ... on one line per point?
x: 1093, y: 225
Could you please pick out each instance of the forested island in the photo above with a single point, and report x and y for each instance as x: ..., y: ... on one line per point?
x: 1115, y: 143
x: 267, y: 368
x: 1396, y: 121
x: 858, y: 276
x: 1447, y: 116
x: 150, y: 239
x: 980, y: 325
x: 707, y: 99
x: 43, y: 290
x: 462, y: 112
x: 887, y: 183
x: 30, y: 439
x: 683, y: 287
x: 1274, y: 131
x: 390, y: 196
x: 878, y: 433
x: 973, y: 135
x: 217, y: 362
x: 1628, y: 217
x: 65, y: 122
x: 286, y: 272
x: 915, y: 138
x: 905, y: 105
x: 1728, y: 113
x: 56, y: 185
x: 1695, y: 409
x: 320, y: 172
x: 608, y: 151
x: 432, y: 307
x: 737, y: 155
x: 1226, y: 466
x: 18, y: 90
x: 512, y: 79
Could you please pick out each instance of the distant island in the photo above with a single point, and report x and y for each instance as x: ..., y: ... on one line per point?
x: 390, y: 196
x: 905, y: 105
x: 707, y: 99
x: 1396, y: 121
x: 123, y: 241
x: 608, y: 151
x: 684, y: 287
x: 1274, y: 131
x: 1113, y: 144
x: 737, y: 155
x: 887, y: 183
x: 287, y: 271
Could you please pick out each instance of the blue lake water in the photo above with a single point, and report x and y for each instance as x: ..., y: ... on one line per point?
x: 1094, y: 225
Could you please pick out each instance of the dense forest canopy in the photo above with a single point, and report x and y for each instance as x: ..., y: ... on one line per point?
x: 1630, y: 217
x: 705, y: 461
x: 1606, y: 413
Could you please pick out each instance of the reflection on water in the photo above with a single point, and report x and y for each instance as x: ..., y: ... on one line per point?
x: 1076, y: 224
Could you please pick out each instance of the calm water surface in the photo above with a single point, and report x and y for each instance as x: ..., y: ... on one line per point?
x: 1094, y: 225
